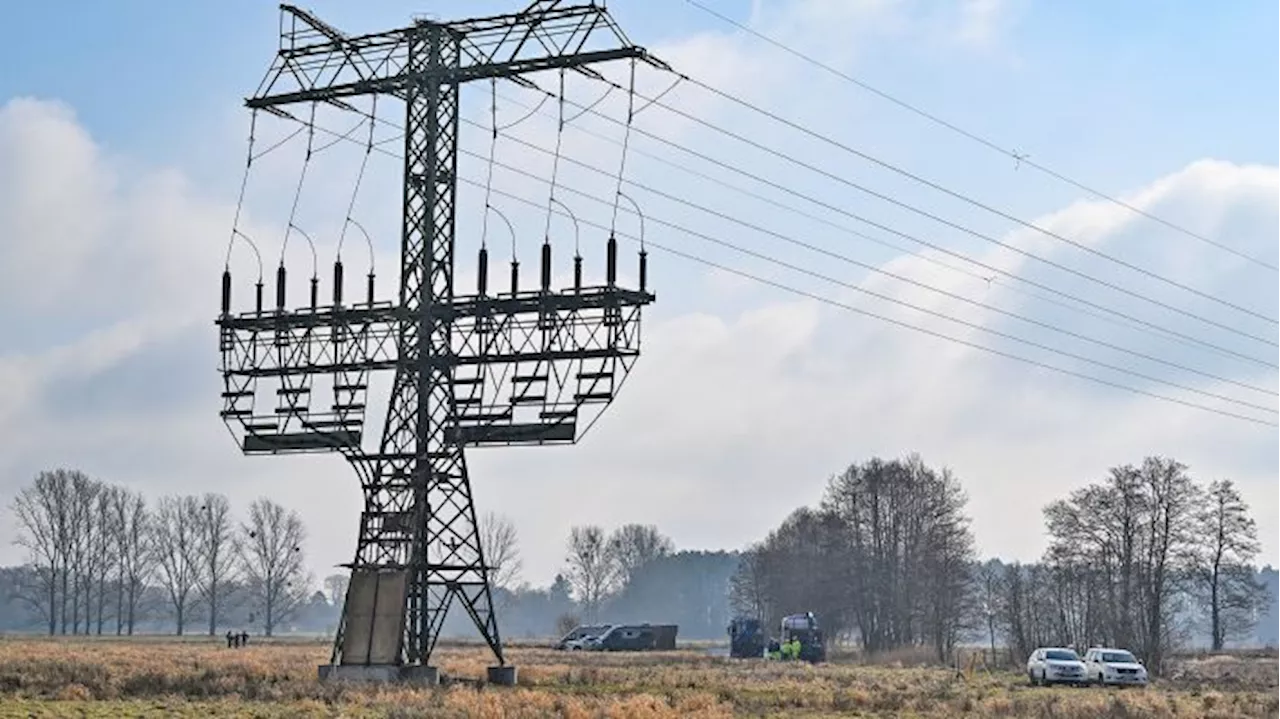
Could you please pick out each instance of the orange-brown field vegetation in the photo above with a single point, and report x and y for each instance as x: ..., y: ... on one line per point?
x: 199, y: 678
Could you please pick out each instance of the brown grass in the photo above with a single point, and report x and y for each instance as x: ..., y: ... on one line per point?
x: 202, y: 678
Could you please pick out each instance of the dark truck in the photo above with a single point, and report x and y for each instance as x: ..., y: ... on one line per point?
x: 746, y: 638
x: 804, y: 629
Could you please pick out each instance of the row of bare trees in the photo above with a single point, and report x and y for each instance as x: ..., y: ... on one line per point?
x: 886, y: 558
x: 93, y: 548
x: 598, y: 565
x: 1138, y: 560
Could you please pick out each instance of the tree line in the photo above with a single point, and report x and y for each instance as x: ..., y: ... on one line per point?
x: 886, y: 559
x: 1140, y: 559
x: 95, y: 550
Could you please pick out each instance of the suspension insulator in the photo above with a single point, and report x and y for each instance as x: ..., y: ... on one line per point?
x: 257, y: 304
x: 315, y: 292
x: 644, y: 269
x: 515, y: 277
x: 577, y: 273
x: 226, y: 292
x: 611, y: 262
x: 280, y: 279
x: 482, y: 279
x: 546, y: 267
x: 337, y: 283
x: 370, y: 293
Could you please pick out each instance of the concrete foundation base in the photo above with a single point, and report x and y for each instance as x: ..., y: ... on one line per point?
x: 422, y: 675
x: 502, y: 676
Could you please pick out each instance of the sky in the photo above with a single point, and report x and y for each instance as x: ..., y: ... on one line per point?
x: 123, y: 146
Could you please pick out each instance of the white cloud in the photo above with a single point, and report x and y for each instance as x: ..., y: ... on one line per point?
x: 981, y: 21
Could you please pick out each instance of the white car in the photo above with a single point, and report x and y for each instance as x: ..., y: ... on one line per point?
x: 1113, y: 666
x: 1055, y: 665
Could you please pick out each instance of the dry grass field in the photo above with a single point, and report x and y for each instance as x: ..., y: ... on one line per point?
x: 198, y: 678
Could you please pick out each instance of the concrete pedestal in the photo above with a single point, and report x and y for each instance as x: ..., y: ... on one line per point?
x: 422, y: 675
x: 502, y: 676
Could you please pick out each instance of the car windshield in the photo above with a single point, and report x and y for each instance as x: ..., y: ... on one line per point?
x: 1119, y: 657
x: 1062, y: 655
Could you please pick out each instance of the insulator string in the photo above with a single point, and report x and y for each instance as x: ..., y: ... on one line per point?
x: 302, y: 176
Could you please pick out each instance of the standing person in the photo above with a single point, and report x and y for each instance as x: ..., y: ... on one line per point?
x: 244, y: 638
x: 230, y: 638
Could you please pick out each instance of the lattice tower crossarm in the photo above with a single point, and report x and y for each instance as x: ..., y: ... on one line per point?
x: 419, y: 549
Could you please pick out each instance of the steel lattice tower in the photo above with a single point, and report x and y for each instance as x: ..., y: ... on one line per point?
x: 513, y: 368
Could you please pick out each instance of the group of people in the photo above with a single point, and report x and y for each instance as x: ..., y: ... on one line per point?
x: 235, y: 641
x: 784, y: 650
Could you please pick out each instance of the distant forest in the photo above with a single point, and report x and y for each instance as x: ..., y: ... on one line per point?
x: 1145, y: 558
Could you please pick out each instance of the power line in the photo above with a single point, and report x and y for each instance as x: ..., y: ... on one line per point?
x: 888, y: 298
x: 900, y: 323
x: 845, y: 258
x: 954, y: 225
x: 1140, y: 322
x: 1128, y: 322
x: 1022, y: 159
x: 884, y: 318
x: 854, y: 216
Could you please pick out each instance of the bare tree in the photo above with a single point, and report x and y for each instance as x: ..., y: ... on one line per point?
x: 215, y: 552
x: 41, y: 515
x: 748, y: 595
x: 1118, y: 555
x: 271, y: 554
x: 900, y: 554
x: 83, y: 552
x: 133, y: 539
x: 335, y: 588
x: 1226, y: 547
x: 501, y: 549
x: 634, y: 545
x: 103, y: 555
x: 592, y: 568
x: 175, y: 539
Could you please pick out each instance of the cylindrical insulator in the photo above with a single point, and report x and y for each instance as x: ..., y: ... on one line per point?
x: 315, y: 292
x: 226, y: 292
x: 577, y: 273
x: 257, y: 305
x: 611, y: 262
x: 515, y: 277
x: 337, y: 283
x: 370, y: 293
x: 482, y: 279
x: 644, y: 269
x: 546, y: 266
x: 280, y: 275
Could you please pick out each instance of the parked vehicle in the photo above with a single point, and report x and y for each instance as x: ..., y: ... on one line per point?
x: 1055, y: 665
x: 623, y: 638
x: 746, y: 637
x: 1103, y: 665
x: 803, y: 629
x: 579, y: 636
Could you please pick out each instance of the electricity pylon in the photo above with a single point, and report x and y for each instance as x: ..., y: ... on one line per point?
x: 508, y: 368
